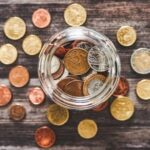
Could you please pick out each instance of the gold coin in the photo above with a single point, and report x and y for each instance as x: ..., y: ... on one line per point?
x: 87, y: 128
x: 75, y: 15
x: 32, y: 44
x: 126, y: 35
x: 14, y: 28
x: 143, y: 89
x: 8, y: 54
x: 122, y: 108
x: 57, y: 115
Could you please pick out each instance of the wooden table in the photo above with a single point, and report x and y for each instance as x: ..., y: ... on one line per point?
x: 105, y: 17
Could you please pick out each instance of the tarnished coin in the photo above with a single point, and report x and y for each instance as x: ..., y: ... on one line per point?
x: 41, y: 18
x: 8, y: 54
x: 19, y: 76
x: 5, y: 95
x: 45, y: 137
x: 126, y: 35
x: 32, y: 45
x: 75, y: 15
x: 143, y: 89
x: 60, y: 52
x: 93, y: 83
x: 122, y: 108
x: 76, y: 61
x: 55, y: 64
x: 57, y: 115
x: 87, y: 128
x: 36, y: 95
x: 122, y: 88
x: 17, y: 112
x: 101, y: 106
x: 14, y: 28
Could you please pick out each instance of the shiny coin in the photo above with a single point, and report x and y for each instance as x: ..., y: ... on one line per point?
x: 55, y: 64
x: 17, y: 112
x: 15, y: 28
x: 101, y: 106
x: 140, y: 61
x: 122, y: 108
x: 93, y: 83
x: 57, y: 115
x: 75, y: 15
x: 123, y: 87
x: 45, y: 137
x: 32, y: 45
x: 87, y: 128
x: 76, y: 61
x: 8, y: 54
x: 36, y: 95
x: 19, y: 76
x: 41, y: 18
x: 126, y: 35
x: 5, y: 95
x: 143, y: 89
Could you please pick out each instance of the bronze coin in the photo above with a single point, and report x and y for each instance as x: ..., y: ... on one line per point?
x: 17, y: 112
x: 5, y: 95
x: 60, y: 52
x: 45, y: 137
x: 19, y: 76
x: 101, y: 106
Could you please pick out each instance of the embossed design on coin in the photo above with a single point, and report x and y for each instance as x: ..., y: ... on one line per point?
x: 101, y: 106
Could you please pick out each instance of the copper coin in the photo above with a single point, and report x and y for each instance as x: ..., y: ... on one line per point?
x: 36, y: 95
x: 5, y: 95
x: 45, y: 137
x: 19, y: 76
x: 60, y: 52
x: 41, y: 18
x: 101, y: 106
x: 17, y: 112
x: 123, y: 87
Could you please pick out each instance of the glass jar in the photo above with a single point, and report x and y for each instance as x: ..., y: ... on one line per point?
x: 49, y: 85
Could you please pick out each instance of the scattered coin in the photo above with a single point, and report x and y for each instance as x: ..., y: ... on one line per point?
x: 55, y: 64
x: 41, y: 18
x: 5, y: 95
x: 87, y: 128
x: 19, y: 76
x: 45, y: 137
x: 123, y: 87
x: 14, y: 28
x: 140, y: 60
x: 122, y: 108
x: 17, y: 112
x: 76, y: 61
x: 143, y: 89
x: 101, y: 106
x: 32, y: 45
x: 126, y: 35
x: 75, y: 15
x: 57, y: 115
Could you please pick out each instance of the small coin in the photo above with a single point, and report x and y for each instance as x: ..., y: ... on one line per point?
x: 143, y: 89
x: 75, y: 15
x: 87, y: 128
x: 41, y: 18
x: 123, y: 87
x: 36, y: 95
x: 60, y: 52
x: 55, y: 64
x: 45, y: 137
x: 101, y: 106
x: 14, y: 28
x: 5, y: 95
x: 93, y: 83
x: 19, y: 76
x: 57, y: 115
x: 122, y: 108
x: 17, y: 112
x: 126, y: 35
x: 76, y: 61
x: 8, y: 54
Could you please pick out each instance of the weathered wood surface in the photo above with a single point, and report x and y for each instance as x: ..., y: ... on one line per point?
x: 103, y: 16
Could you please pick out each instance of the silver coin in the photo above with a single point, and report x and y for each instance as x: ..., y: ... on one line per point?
x: 85, y: 45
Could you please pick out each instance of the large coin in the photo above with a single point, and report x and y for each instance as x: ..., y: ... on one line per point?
x: 87, y: 128
x: 15, y: 28
x: 76, y: 61
x: 143, y: 89
x: 122, y: 108
x: 75, y: 15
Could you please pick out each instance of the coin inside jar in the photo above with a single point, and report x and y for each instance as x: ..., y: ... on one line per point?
x: 55, y: 64
x: 101, y: 106
x: 45, y: 137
